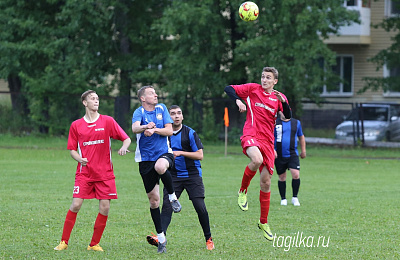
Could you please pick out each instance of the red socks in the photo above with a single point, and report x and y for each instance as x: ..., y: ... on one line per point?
x: 247, y: 177
x: 264, y: 204
x: 99, y: 227
x: 68, y: 226
x: 69, y: 223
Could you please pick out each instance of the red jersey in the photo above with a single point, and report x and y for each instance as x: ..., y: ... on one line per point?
x: 92, y: 141
x: 262, y: 109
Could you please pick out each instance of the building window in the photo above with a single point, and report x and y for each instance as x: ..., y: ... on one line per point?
x: 357, y: 3
x: 392, y: 8
x: 393, y: 72
x: 350, y: 3
x: 344, y: 69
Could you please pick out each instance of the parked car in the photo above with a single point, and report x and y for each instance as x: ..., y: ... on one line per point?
x: 381, y: 122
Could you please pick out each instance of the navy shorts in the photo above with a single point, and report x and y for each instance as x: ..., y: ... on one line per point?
x: 193, y: 185
x: 284, y: 163
x: 149, y: 175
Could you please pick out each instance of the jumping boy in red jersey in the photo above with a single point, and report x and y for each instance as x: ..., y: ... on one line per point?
x: 263, y: 103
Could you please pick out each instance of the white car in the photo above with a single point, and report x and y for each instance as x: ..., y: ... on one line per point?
x: 380, y: 122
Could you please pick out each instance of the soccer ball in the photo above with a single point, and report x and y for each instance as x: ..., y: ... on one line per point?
x: 248, y: 11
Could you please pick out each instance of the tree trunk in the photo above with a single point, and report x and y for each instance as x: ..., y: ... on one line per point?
x: 18, y: 101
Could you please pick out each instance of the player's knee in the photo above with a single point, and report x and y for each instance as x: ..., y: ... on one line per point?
x: 75, y: 206
x: 257, y: 162
x: 154, y: 203
x: 295, y: 174
x: 199, y: 206
x: 103, y: 209
x: 265, y: 185
x: 160, y: 169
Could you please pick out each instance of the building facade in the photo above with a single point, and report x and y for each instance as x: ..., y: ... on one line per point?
x: 355, y: 45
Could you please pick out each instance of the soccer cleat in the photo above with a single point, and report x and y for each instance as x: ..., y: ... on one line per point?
x: 176, y: 206
x: 95, y: 248
x: 242, y: 201
x: 210, y: 244
x: 61, y: 246
x: 162, y: 247
x: 152, y: 240
x: 284, y: 202
x: 295, y: 201
x: 266, y: 230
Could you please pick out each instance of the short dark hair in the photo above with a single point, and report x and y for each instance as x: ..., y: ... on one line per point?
x: 87, y: 93
x: 141, y: 91
x: 273, y: 70
x: 173, y: 107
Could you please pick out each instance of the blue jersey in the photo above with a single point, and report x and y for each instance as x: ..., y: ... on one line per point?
x: 187, y: 140
x: 286, y: 134
x: 150, y: 148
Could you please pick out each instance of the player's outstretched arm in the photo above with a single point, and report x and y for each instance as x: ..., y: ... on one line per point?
x: 230, y: 91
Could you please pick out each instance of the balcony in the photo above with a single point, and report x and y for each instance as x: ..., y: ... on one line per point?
x: 355, y: 33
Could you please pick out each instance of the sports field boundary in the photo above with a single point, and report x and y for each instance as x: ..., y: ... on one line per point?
x: 336, y: 142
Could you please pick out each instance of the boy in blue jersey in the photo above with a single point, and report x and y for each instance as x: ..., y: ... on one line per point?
x: 186, y: 175
x: 286, y: 155
x: 152, y: 125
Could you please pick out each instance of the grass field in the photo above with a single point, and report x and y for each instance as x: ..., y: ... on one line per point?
x: 349, y: 202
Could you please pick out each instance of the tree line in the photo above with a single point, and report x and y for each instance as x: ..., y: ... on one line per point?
x: 51, y: 51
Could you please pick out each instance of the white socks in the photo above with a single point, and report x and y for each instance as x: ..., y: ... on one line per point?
x: 172, y: 197
x: 161, y: 237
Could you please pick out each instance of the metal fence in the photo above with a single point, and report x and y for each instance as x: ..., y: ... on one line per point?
x: 318, y: 120
x: 357, y: 123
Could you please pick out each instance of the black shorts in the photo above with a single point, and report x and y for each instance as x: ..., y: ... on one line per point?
x: 149, y: 175
x: 284, y: 163
x: 193, y: 185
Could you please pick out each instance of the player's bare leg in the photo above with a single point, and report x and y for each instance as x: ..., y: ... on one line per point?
x: 256, y: 160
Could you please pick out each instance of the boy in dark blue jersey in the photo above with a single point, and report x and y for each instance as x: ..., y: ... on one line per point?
x: 186, y: 174
x: 286, y: 155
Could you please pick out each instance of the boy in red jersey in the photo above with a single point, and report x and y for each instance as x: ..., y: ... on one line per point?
x: 263, y: 103
x: 89, y: 142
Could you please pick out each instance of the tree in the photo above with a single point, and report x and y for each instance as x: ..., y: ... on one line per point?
x: 189, y: 49
x: 389, y: 57
x: 55, y: 48
x: 210, y: 47
x: 289, y: 35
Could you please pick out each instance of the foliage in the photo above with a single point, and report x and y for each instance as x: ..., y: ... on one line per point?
x: 389, y: 57
x: 190, y: 50
x: 288, y: 35
x: 59, y: 51
x: 211, y: 47
x: 11, y: 122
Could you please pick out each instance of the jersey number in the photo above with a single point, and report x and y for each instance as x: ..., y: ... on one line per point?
x: 76, y: 190
x: 250, y: 141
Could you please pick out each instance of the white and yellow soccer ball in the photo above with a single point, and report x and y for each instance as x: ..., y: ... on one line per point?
x: 248, y: 11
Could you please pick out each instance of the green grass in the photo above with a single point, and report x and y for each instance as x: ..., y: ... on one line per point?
x: 347, y: 195
x: 324, y: 132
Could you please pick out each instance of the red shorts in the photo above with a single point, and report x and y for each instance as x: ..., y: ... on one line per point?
x: 101, y: 190
x: 266, y: 148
